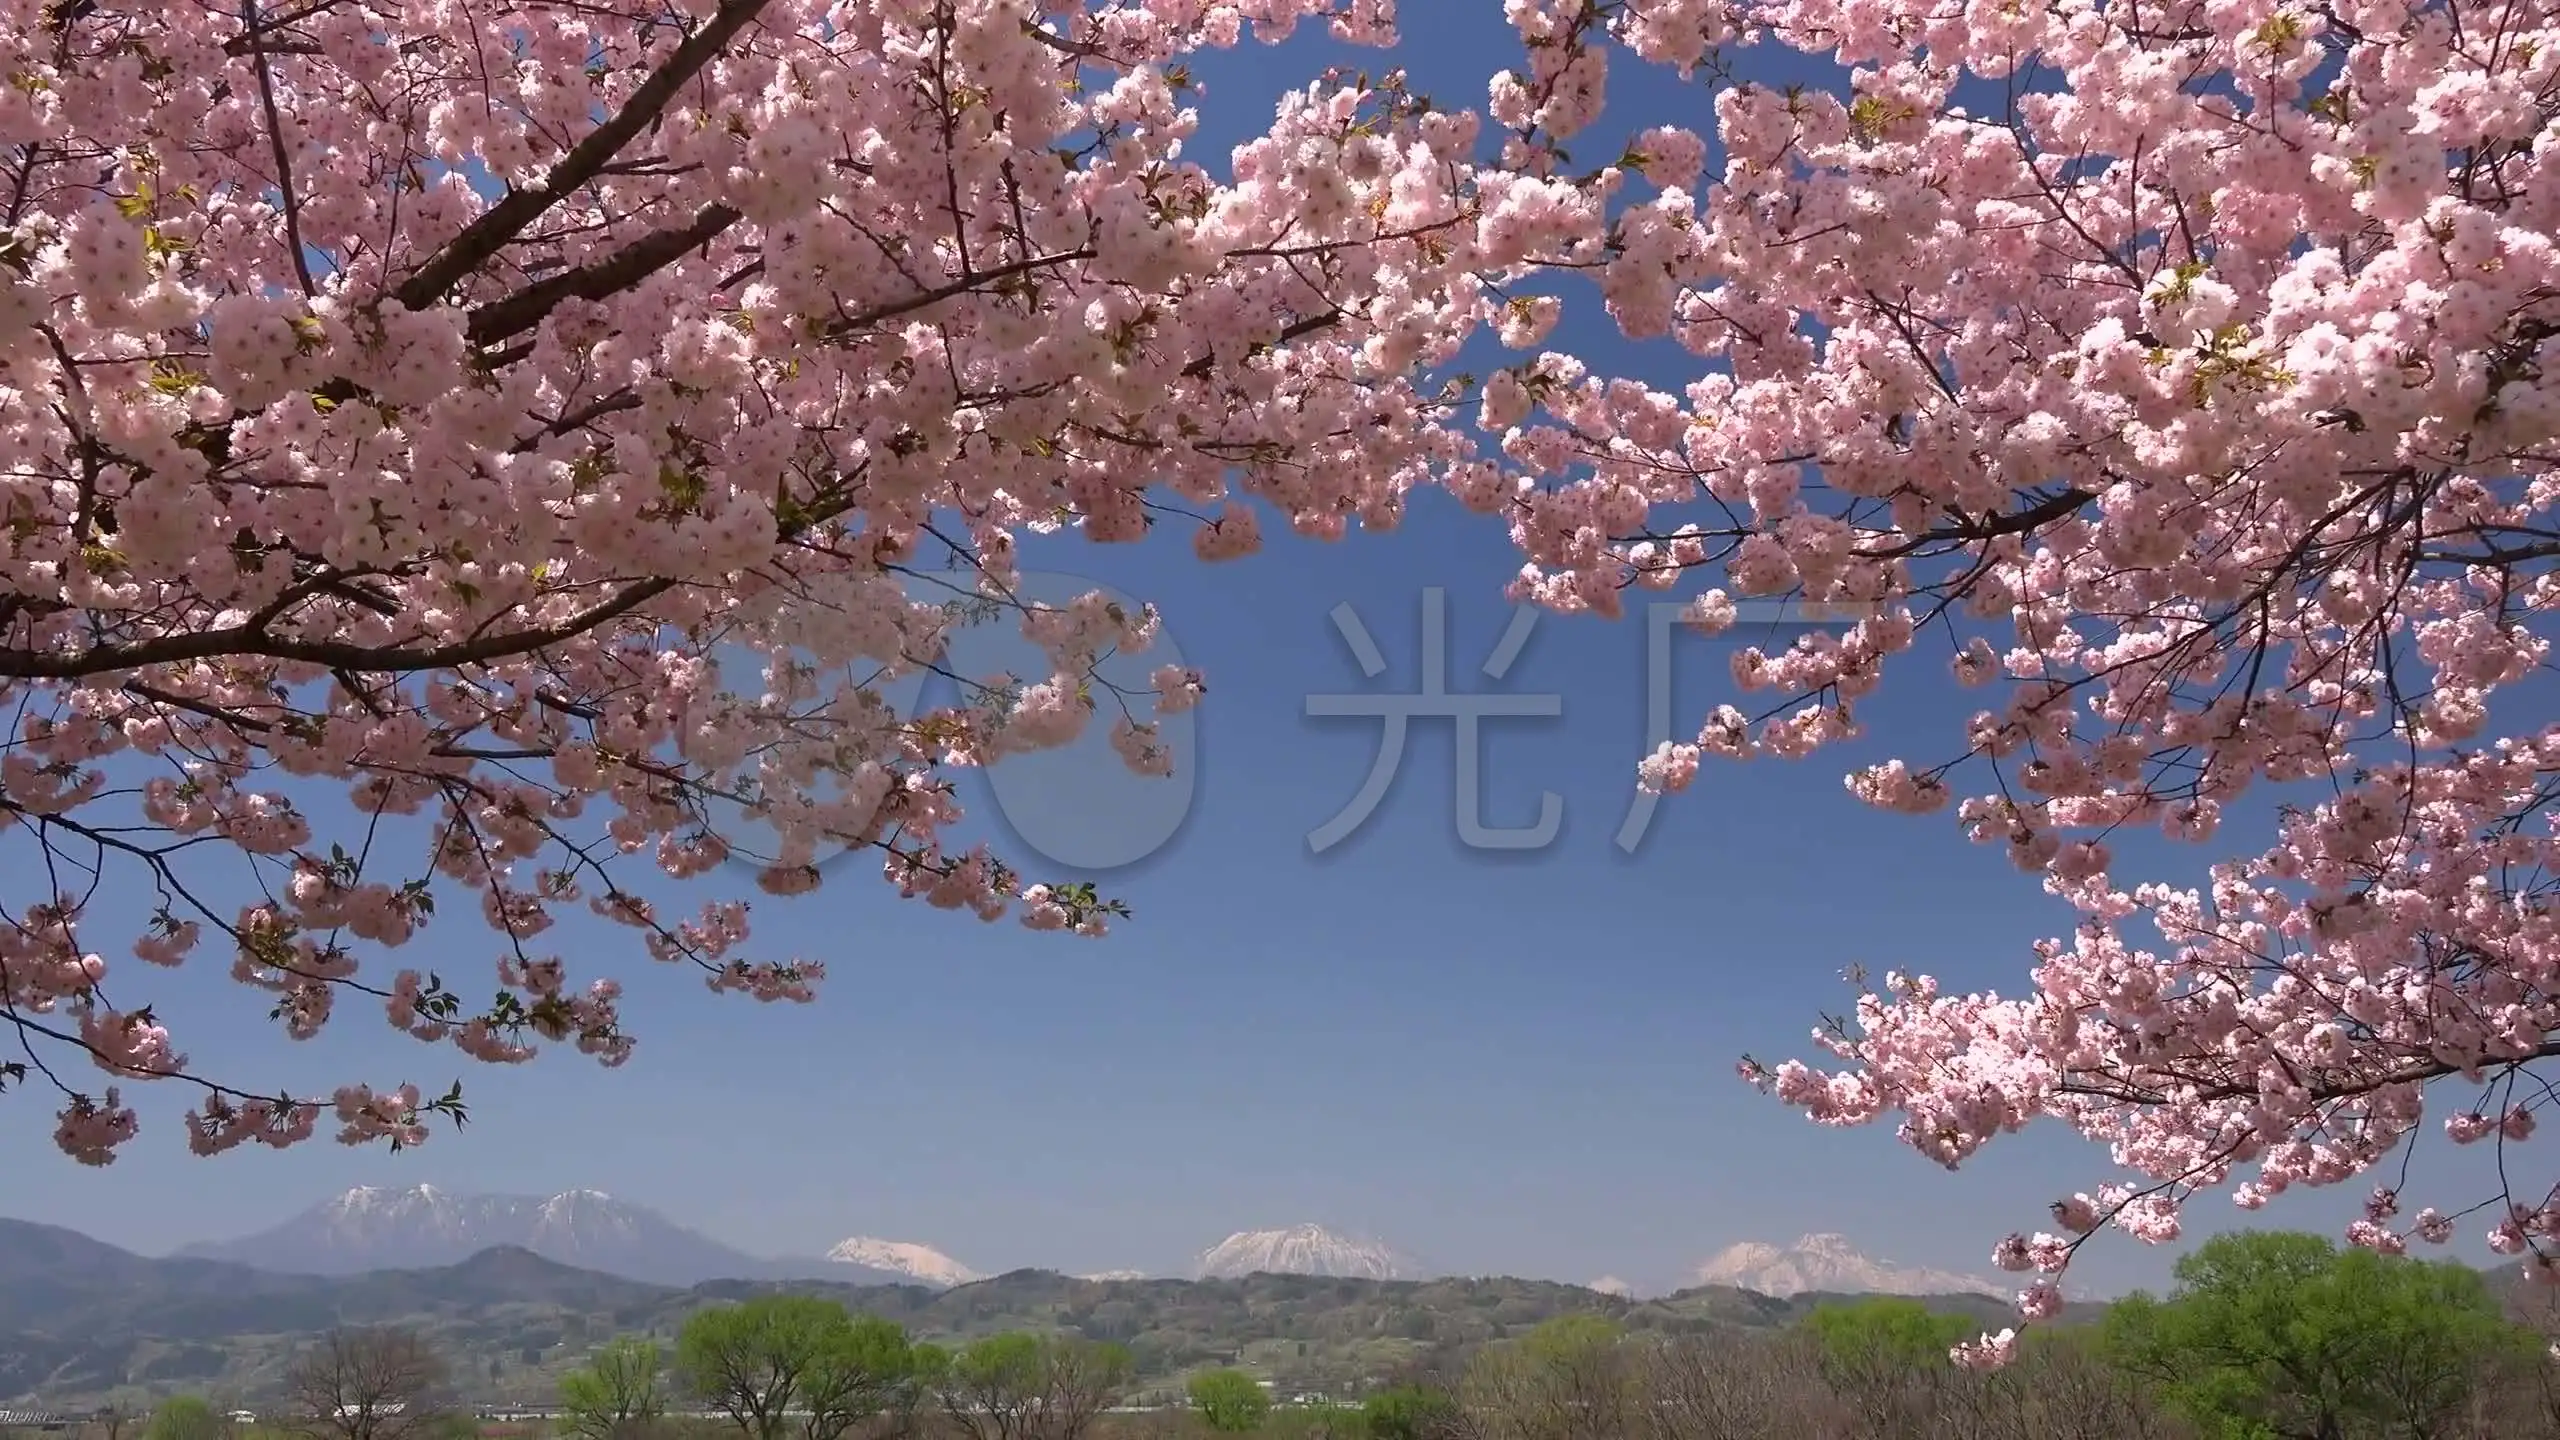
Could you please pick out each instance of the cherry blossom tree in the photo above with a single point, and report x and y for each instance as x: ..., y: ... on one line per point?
x: 2182, y: 373
x: 408, y: 400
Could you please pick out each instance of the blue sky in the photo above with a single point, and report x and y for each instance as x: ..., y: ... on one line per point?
x: 1516, y: 1063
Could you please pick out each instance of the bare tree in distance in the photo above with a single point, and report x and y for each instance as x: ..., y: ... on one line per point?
x: 2534, y: 1399
x: 2063, y: 1388
x: 1732, y: 1387
x: 1441, y: 1367
x: 110, y: 1422
x: 1570, y: 1378
x: 1085, y: 1378
x: 366, y: 1384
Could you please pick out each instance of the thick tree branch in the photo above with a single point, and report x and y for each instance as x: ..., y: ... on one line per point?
x: 507, y: 219
x: 252, y: 640
x: 628, y: 266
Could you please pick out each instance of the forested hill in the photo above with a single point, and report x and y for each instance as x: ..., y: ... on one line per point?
x: 80, y: 1319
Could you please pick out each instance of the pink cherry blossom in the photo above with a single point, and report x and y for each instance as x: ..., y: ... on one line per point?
x: 2194, y: 398
x: 399, y: 417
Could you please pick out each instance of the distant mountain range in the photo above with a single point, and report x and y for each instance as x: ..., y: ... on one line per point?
x: 1303, y: 1250
x: 82, y: 1322
x: 421, y: 1226
x: 1828, y: 1264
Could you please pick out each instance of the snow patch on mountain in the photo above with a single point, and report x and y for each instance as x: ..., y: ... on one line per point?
x: 1107, y: 1276
x: 920, y: 1263
x: 1612, y: 1285
x: 1303, y: 1250
x: 358, y: 1215
x: 1830, y: 1264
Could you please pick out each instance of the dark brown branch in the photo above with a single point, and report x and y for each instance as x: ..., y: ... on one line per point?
x: 626, y: 267
x: 1990, y: 527
x: 252, y: 640
x: 275, y: 145
x: 939, y: 293
x: 507, y: 219
x: 2315, y: 1089
x: 1199, y: 369
x: 256, y: 36
x: 612, y: 404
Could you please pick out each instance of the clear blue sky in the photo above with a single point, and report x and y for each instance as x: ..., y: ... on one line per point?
x: 1505, y: 1063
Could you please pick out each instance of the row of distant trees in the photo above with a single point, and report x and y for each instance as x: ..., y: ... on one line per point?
x: 2266, y: 1336
x: 357, y: 1384
x: 794, y: 1368
x: 778, y: 1367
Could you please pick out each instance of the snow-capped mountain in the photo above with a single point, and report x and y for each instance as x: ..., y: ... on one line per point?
x: 920, y: 1263
x: 1829, y: 1263
x: 1612, y: 1285
x: 1303, y: 1250
x: 419, y: 1227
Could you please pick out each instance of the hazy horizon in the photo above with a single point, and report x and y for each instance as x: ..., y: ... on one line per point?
x: 1421, y: 1263
x: 1682, y: 1275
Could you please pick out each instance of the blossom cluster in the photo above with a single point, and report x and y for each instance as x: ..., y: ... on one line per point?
x: 2192, y: 373
x: 394, y: 416
x: 417, y: 402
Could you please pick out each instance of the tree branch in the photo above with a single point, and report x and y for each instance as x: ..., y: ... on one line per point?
x: 507, y: 219
x: 628, y: 266
x: 275, y: 144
